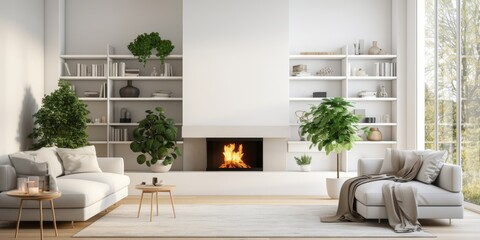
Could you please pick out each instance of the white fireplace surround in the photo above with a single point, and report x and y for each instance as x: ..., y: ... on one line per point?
x: 236, y: 83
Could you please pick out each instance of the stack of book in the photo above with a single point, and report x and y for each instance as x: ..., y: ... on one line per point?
x: 132, y: 72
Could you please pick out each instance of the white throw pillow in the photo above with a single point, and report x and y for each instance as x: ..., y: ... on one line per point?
x: 50, y: 156
x: 79, y: 160
x: 432, y: 163
x: 26, y: 164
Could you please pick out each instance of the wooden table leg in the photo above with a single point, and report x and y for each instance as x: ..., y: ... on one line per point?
x: 151, y: 206
x: 54, y: 218
x: 140, y: 206
x: 19, y: 217
x: 173, y: 206
x: 157, y: 201
x: 41, y: 219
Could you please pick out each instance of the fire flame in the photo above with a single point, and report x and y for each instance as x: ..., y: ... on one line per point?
x: 232, y: 158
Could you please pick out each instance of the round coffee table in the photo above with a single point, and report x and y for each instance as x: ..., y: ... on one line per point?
x: 40, y: 197
x: 155, y: 190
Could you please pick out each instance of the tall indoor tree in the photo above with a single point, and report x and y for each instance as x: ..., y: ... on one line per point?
x: 61, y: 121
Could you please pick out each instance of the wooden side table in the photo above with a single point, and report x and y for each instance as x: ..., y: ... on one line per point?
x: 155, y: 190
x: 40, y: 197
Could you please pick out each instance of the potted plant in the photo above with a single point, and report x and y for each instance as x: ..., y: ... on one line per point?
x: 61, y: 121
x: 304, y: 162
x: 156, y: 136
x: 143, y: 45
x: 331, y: 126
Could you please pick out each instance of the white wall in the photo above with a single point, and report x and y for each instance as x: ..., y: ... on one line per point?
x: 237, y: 57
x: 92, y: 24
x: 328, y: 25
x: 21, y: 71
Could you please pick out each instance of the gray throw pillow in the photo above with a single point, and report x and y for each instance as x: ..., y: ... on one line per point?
x: 26, y: 164
x: 79, y: 160
x: 49, y: 155
x: 432, y: 162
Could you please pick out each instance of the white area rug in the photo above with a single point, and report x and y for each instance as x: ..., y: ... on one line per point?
x: 234, y: 221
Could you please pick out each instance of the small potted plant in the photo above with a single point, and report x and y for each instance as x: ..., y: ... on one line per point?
x: 304, y: 162
x: 156, y: 136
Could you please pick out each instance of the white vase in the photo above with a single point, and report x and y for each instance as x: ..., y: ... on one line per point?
x: 306, y: 168
x: 159, y: 167
x: 334, y: 185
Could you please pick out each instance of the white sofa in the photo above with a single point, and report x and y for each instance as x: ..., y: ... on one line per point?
x: 83, y: 194
x: 443, y: 199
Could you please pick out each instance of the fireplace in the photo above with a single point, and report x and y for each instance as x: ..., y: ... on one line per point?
x: 234, y: 154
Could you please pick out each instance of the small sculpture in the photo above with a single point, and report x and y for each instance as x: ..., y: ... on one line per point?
x: 326, y: 71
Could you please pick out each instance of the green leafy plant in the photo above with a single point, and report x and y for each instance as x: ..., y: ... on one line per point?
x: 303, y: 160
x: 156, y: 136
x: 143, y: 45
x: 61, y: 121
x: 164, y: 48
x: 331, y: 126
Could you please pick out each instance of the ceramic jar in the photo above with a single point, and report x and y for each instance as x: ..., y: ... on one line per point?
x: 360, y: 72
x: 375, y: 50
x: 374, y: 135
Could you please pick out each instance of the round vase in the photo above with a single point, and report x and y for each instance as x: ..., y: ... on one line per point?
x: 158, y: 167
x: 375, y: 50
x: 306, y: 168
x: 375, y: 135
x: 129, y: 90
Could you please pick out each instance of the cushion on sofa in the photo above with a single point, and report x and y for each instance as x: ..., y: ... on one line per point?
x: 370, y: 194
x: 113, y: 180
x: 76, y: 193
x: 79, y: 160
x: 26, y: 164
x: 50, y: 156
x: 432, y: 162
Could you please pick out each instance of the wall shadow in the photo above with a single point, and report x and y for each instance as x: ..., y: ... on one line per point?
x: 25, y: 125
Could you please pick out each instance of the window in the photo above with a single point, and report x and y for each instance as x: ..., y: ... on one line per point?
x: 452, y: 106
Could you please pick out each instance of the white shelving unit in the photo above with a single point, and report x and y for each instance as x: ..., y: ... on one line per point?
x: 343, y: 84
x: 109, y: 107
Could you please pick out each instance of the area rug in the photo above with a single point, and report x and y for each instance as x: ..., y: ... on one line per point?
x: 234, y: 221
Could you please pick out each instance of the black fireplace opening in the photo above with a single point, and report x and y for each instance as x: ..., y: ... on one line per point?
x: 234, y: 154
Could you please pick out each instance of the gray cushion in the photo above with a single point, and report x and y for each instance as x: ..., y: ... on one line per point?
x: 26, y: 164
x: 370, y: 194
x: 432, y: 162
x: 79, y: 160
x: 49, y: 155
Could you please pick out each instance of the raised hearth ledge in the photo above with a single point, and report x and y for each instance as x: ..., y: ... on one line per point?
x: 235, y: 131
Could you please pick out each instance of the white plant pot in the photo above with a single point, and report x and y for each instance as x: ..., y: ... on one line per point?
x: 306, y: 168
x: 159, y: 167
x: 334, y: 185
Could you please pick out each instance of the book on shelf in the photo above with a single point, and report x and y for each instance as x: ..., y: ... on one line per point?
x: 67, y: 69
x: 385, y: 69
x: 103, y: 90
x: 119, y: 134
x: 121, y: 69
